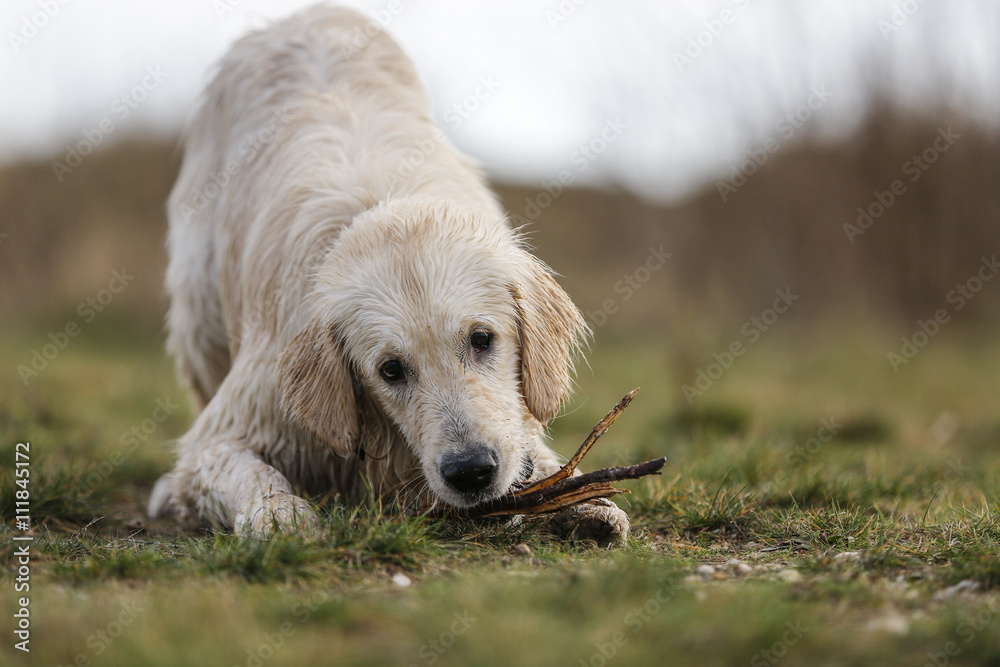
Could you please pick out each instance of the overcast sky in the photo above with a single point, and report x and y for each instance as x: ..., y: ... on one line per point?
x: 689, y: 86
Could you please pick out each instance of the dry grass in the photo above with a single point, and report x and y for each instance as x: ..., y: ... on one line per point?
x: 883, y: 490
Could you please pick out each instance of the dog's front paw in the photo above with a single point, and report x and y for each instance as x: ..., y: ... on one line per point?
x: 163, y: 501
x: 275, y: 513
x: 598, y: 520
x: 166, y: 500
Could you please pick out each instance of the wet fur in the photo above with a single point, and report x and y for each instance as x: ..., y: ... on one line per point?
x: 347, y: 226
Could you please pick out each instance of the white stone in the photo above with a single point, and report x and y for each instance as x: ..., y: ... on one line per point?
x: 789, y: 575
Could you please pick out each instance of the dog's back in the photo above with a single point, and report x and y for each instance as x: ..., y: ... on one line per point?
x: 321, y: 221
x: 305, y: 125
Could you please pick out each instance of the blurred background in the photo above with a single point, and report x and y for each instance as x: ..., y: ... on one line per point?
x: 843, y: 154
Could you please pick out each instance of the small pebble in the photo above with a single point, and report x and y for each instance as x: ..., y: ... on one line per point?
x: 848, y: 555
x: 788, y: 575
x: 966, y: 585
x: 522, y: 549
x: 401, y: 580
x: 738, y: 567
x: 705, y: 571
x: 891, y: 622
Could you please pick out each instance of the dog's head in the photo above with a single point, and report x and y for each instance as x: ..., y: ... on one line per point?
x: 458, y: 335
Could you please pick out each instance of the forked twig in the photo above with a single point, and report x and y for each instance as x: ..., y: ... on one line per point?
x: 562, y: 489
x: 599, y: 430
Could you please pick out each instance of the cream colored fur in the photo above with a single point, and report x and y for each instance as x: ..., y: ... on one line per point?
x: 321, y: 224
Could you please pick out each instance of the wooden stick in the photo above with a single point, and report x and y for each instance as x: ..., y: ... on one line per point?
x: 562, y: 489
x: 571, y: 465
x: 565, y: 492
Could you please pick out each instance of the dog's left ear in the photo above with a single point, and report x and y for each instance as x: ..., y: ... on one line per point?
x: 551, y: 331
x: 317, y: 392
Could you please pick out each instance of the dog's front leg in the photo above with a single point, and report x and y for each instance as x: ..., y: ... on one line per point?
x: 262, y: 498
x: 600, y: 520
x: 221, y: 481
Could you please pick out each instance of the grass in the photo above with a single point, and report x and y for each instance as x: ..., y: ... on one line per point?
x: 856, y: 498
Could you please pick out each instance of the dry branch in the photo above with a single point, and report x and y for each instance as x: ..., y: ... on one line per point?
x: 561, y: 489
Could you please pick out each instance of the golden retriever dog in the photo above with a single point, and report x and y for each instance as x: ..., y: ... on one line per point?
x: 349, y: 305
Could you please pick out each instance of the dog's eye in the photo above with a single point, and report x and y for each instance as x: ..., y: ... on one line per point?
x: 480, y: 340
x: 392, y: 371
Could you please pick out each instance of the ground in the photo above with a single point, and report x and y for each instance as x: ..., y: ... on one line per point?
x: 817, y: 508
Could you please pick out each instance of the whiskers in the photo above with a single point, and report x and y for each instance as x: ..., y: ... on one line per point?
x: 417, y: 489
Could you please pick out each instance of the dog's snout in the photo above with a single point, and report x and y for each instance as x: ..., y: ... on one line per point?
x: 470, y: 470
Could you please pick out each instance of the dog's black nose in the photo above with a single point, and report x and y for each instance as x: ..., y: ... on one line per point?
x: 469, y: 471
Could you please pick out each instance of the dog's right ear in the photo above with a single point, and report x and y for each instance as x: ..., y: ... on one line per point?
x: 316, y: 388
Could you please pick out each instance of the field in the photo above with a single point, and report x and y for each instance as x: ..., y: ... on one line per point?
x: 817, y: 508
